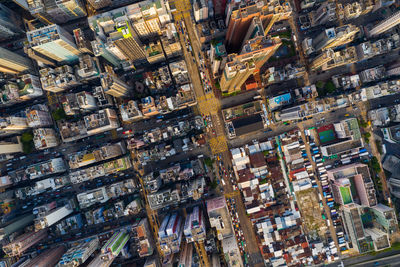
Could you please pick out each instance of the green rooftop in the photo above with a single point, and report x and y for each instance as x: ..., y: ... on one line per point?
x: 346, y: 195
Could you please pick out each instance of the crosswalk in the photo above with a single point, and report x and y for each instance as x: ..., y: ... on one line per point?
x: 218, y: 144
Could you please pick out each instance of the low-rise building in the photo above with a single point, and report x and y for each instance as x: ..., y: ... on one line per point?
x: 106, y: 168
x: 58, y: 79
x: 22, y: 89
x: 143, y: 237
x: 108, y: 151
x: 130, y: 111
x: 44, y: 138
x: 45, y: 168
x: 392, y: 133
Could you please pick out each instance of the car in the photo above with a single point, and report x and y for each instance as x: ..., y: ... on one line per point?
x: 127, y: 131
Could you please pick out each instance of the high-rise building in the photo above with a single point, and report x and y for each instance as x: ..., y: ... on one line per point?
x: 170, y: 234
x: 333, y: 37
x: 252, y: 57
x: 23, y: 242
x: 99, y: 49
x: 148, y: 17
x: 73, y: 8
x: 11, y: 62
x: 78, y: 253
x: 16, y: 224
x: 239, y: 17
x: 114, y: 86
x: 128, y: 42
x: 322, y: 59
x: 326, y: 12
x: 98, y: 4
x: 194, y: 228
x: 47, y: 258
x: 10, y: 23
x: 219, y: 7
x: 50, y: 217
x: 114, y: 30
x: 82, y: 42
x: 386, y: 24
x: 56, y: 11
x: 54, y: 42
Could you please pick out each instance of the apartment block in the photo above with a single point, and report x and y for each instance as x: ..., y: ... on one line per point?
x: 100, y: 49
x: 56, y: 11
x: 73, y: 8
x: 114, y: 245
x: 45, y: 168
x: 325, y: 13
x: 101, y: 121
x: 82, y: 42
x: 109, y: 167
x: 8, y: 147
x: 154, y: 52
x: 331, y: 38
x: 115, y: 30
x: 54, y: 42
x: 15, y: 225
x: 170, y: 41
x: 163, y: 198
x: 13, y: 123
x: 194, y: 228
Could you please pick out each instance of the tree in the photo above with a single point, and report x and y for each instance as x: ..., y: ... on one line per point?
x: 367, y: 135
x: 330, y: 87
x: 27, y: 142
x: 320, y: 84
x: 209, y: 162
x: 375, y: 164
x: 59, y: 114
x: 363, y: 123
x: 214, y: 184
x: 26, y: 137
